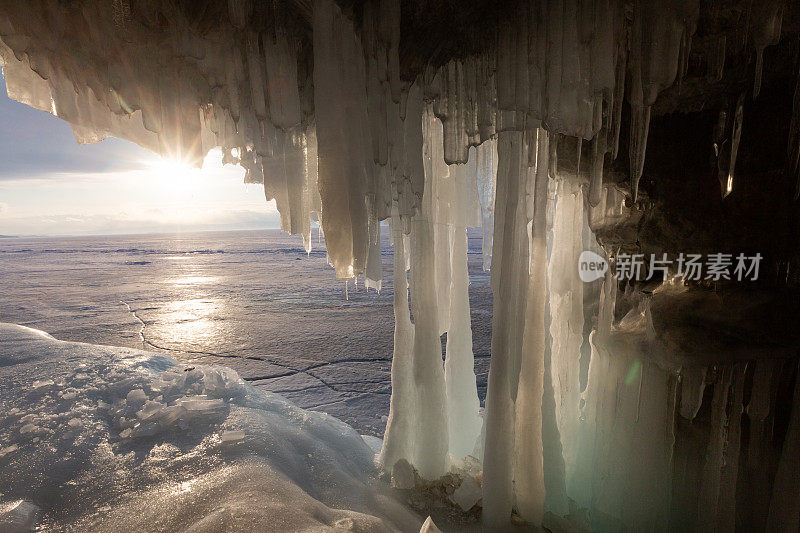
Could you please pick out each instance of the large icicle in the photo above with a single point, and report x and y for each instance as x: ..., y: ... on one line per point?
x: 486, y: 155
x: 431, y: 431
x: 398, y: 441
x: 342, y: 138
x: 766, y: 20
x: 566, y: 310
x: 784, y: 509
x: 462, y: 392
x: 660, y: 33
x: 509, y: 274
x: 529, y: 469
x: 793, y: 150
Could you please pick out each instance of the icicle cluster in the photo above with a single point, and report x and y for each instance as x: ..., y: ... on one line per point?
x: 326, y: 123
x: 434, y: 408
x: 312, y: 104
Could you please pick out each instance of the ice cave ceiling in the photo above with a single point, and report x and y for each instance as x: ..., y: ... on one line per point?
x: 142, y: 69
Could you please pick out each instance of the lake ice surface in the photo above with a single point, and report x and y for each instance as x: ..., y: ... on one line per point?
x: 250, y: 300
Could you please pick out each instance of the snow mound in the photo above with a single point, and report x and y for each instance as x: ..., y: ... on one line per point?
x: 100, y: 438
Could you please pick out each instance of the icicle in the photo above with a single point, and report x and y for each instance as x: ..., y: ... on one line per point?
x: 754, y: 502
x: 716, y: 60
x: 459, y: 366
x: 619, y: 94
x: 605, y: 314
x: 442, y: 191
x: 398, y: 440
x: 566, y: 311
x: 784, y: 509
x: 431, y: 430
x: 508, y: 264
x: 640, y: 125
x: 726, y: 518
x: 766, y: 19
x: 233, y: 77
x: 431, y: 437
x: 412, y: 182
x: 282, y: 88
x: 529, y: 474
x: 487, y: 176
x: 693, y: 383
x: 793, y: 151
x: 390, y: 35
x: 239, y: 12
x: 374, y: 272
x: 711, y: 484
x: 596, y: 171
x: 657, y: 37
x: 340, y: 110
x: 255, y: 67
x: 736, y: 135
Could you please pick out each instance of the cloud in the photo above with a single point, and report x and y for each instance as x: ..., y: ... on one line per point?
x: 3, y: 208
x: 37, y: 145
x: 140, y: 222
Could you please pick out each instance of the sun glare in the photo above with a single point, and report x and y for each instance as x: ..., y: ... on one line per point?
x: 173, y: 175
x: 173, y: 178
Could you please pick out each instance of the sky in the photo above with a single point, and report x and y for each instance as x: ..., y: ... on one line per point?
x: 51, y: 185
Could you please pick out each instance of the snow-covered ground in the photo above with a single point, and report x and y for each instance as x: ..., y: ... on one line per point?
x: 104, y: 438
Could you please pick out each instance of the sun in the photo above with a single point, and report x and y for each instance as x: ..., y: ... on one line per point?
x: 170, y: 176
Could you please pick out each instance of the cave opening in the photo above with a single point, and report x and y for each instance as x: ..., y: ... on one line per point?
x: 633, y: 169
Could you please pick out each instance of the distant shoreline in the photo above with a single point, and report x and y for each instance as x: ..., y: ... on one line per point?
x: 191, y: 232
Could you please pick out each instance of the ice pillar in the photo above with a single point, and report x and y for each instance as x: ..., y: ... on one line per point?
x: 509, y: 271
x: 529, y: 471
x: 462, y: 391
x: 398, y: 440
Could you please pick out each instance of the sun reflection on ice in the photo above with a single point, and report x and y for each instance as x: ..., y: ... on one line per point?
x: 192, y: 320
x: 192, y: 280
x: 190, y: 317
x: 192, y: 309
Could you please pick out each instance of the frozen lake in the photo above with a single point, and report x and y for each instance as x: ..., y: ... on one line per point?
x: 250, y: 300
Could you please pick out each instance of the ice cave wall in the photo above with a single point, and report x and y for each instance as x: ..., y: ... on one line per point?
x: 351, y: 113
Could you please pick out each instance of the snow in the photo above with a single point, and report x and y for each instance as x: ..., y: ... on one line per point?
x: 146, y: 443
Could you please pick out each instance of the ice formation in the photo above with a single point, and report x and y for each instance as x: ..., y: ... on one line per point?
x: 317, y: 101
x: 120, y: 439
